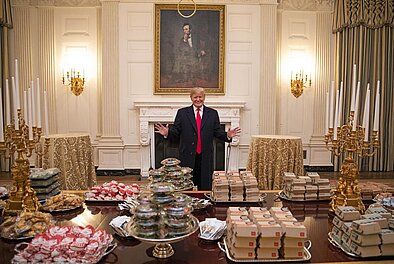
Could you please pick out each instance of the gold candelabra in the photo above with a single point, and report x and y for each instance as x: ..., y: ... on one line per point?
x: 22, y: 196
x: 42, y: 158
x: 352, y: 143
x: 75, y: 80
x: 297, y: 85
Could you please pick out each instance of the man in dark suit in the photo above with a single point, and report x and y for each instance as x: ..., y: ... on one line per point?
x: 195, y: 127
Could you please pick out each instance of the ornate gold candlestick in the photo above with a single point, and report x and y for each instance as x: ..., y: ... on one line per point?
x: 351, y: 142
x: 42, y: 158
x: 22, y: 196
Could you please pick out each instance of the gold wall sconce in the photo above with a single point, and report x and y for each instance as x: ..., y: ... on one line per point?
x: 299, y: 83
x: 75, y: 80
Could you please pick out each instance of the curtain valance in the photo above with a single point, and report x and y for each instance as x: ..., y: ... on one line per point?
x: 369, y: 13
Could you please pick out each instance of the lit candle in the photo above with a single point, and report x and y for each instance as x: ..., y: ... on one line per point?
x: 7, y: 104
x: 352, y: 105
x: 332, y: 105
x: 366, y: 114
x: 1, y: 118
x: 377, y: 108
x: 356, y: 109
x: 16, y: 103
x: 33, y: 104
x: 340, y: 105
x: 38, y: 104
x: 46, y: 114
x: 30, y: 123
x: 327, y: 111
x: 336, y: 115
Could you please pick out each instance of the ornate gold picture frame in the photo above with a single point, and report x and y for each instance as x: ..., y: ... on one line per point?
x: 189, y: 48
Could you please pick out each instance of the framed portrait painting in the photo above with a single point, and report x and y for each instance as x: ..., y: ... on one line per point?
x: 189, y: 48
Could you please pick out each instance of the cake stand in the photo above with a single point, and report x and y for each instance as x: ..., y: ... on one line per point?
x: 163, y: 248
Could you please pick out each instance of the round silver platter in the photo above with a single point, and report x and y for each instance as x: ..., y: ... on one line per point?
x: 163, y: 248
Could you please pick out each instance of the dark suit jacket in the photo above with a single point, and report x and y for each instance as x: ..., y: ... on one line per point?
x: 185, y: 130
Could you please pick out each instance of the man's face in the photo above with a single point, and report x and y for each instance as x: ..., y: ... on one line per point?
x: 198, y: 99
x: 187, y: 30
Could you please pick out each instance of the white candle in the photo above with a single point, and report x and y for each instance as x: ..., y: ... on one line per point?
x: 16, y: 106
x: 17, y: 77
x: 1, y: 118
x: 340, y: 105
x: 38, y: 104
x: 33, y: 104
x: 332, y: 105
x: 377, y: 108
x: 366, y: 114
x: 327, y: 111
x: 356, y: 109
x: 352, y: 105
x: 336, y: 115
x: 46, y: 114
x: 7, y: 104
x: 30, y: 123
x: 25, y: 106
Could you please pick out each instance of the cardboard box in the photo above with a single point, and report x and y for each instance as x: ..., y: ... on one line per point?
x: 365, y: 240
x: 347, y: 213
x: 370, y: 251
x: 366, y: 227
x: 292, y: 253
x: 293, y: 242
x: 269, y: 229
x: 387, y: 236
x: 245, y: 229
x: 382, y: 221
x: 294, y: 229
x: 269, y: 242
x: 267, y: 253
x: 387, y: 249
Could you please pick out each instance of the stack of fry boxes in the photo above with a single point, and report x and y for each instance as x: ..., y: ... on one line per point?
x: 294, y: 233
x: 259, y: 233
x: 220, y: 187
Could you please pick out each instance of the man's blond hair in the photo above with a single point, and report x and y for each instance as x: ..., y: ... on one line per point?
x: 195, y: 90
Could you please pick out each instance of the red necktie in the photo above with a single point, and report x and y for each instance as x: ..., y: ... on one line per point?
x: 198, y: 122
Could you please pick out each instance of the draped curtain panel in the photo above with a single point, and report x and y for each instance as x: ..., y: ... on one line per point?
x: 5, y: 24
x: 364, y: 36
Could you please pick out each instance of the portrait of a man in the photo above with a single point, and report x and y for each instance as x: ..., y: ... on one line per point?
x: 189, y: 51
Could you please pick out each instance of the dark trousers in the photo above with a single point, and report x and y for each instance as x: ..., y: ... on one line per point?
x: 197, y: 171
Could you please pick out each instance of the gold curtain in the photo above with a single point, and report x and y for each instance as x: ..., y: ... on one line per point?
x: 5, y: 24
x: 364, y: 32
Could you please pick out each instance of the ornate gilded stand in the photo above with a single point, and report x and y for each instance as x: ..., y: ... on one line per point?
x: 22, y: 196
x: 347, y: 192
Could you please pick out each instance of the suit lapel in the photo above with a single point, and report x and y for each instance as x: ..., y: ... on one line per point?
x: 192, y: 118
x: 205, y: 116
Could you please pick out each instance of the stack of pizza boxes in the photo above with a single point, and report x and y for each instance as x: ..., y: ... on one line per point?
x: 220, y: 187
x: 294, y: 233
x: 251, y: 189
x: 241, y: 233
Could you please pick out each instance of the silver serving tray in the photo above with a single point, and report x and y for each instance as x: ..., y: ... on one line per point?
x: 195, y: 227
x: 260, y: 200
x: 111, y: 246
x: 283, y: 196
x: 337, y: 245
x: 307, y: 255
x: 62, y: 210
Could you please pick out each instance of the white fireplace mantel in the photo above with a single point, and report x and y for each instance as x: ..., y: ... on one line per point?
x: 151, y: 112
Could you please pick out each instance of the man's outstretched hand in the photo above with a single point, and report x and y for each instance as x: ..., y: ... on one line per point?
x: 162, y: 130
x: 233, y: 132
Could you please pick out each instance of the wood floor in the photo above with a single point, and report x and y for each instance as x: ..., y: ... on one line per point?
x: 381, y: 177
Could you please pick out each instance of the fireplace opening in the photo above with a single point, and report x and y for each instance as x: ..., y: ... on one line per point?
x: 166, y: 149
